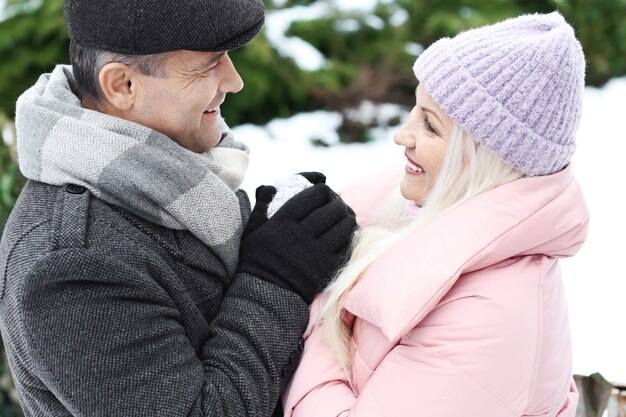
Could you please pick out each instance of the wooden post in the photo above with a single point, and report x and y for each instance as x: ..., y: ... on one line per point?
x: 595, y: 392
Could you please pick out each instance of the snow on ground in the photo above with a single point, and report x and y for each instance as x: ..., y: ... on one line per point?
x: 305, y: 55
x: 9, y: 11
x: 284, y: 147
x: 595, y: 280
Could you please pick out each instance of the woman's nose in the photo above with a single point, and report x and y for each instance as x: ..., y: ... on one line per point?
x: 404, y: 138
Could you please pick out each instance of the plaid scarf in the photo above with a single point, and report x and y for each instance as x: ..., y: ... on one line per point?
x: 132, y: 166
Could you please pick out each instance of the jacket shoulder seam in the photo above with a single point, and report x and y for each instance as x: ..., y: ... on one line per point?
x: 31, y: 347
x: 5, y: 270
x: 539, y: 343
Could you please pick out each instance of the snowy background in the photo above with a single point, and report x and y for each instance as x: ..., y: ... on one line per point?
x: 595, y: 279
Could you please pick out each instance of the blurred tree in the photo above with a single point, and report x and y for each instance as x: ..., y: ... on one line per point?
x: 601, y: 28
x: 274, y: 85
x: 31, y: 43
x: 11, y: 182
x: 8, y: 406
x: 33, y: 39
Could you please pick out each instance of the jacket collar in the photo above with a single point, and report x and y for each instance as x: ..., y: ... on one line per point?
x: 540, y: 215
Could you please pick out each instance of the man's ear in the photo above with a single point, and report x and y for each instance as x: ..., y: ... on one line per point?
x: 117, y: 82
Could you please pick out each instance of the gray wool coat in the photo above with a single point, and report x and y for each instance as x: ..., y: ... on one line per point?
x: 105, y: 314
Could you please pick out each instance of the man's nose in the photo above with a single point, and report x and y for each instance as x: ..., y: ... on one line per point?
x: 231, y: 81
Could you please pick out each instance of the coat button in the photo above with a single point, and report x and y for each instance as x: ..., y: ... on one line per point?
x: 294, y: 359
x: 288, y: 371
x: 301, y: 344
x: 75, y: 189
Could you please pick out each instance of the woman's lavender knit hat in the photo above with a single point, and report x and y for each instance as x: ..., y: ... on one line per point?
x: 516, y: 86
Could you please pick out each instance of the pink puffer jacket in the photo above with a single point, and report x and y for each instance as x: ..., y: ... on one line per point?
x: 464, y: 318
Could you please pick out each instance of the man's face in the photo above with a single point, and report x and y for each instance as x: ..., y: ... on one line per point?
x: 185, y: 104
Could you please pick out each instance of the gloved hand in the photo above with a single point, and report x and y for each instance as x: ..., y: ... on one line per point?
x: 265, y: 195
x: 301, y: 246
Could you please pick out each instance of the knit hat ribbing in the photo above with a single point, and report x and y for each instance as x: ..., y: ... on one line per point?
x: 516, y: 86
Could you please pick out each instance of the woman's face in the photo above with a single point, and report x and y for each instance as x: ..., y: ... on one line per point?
x: 425, y: 138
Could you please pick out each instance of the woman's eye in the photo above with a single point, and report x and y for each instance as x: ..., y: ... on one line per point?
x: 428, y: 125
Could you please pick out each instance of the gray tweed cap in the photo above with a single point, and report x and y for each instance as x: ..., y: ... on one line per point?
x: 143, y: 27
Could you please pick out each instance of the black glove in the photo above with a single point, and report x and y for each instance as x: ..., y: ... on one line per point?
x: 301, y: 246
x: 265, y: 194
x: 314, y: 177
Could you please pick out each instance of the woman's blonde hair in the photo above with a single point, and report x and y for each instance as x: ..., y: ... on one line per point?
x: 467, y: 170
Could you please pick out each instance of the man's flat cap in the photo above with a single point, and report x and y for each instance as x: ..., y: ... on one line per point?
x: 143, y: 27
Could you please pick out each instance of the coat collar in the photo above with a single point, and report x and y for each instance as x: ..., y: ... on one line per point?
x: 539, y: 215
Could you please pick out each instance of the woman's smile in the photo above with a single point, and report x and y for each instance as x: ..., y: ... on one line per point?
x: 413, y: 168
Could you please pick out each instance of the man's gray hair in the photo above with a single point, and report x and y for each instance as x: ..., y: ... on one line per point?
x: 88, y: 62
